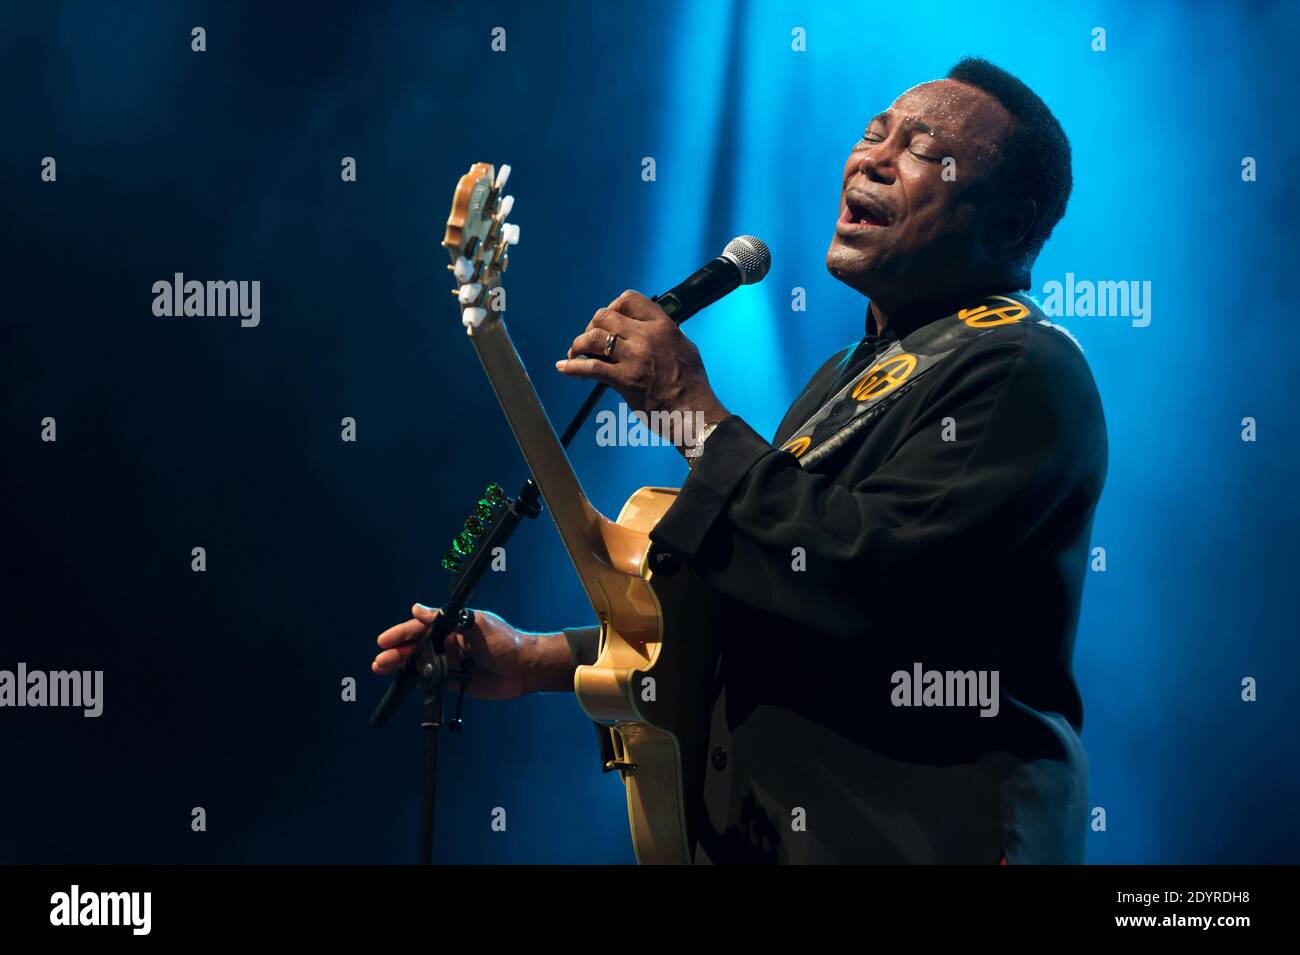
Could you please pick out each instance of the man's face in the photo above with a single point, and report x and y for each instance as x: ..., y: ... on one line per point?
x: 905, y: 232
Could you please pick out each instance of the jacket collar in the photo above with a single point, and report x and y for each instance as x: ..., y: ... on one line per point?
x: 910, y: 317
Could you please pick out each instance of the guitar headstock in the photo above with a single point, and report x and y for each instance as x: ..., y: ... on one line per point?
x: 478, y: 239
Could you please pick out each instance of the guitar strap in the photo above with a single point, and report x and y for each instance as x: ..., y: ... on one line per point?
x: 866, y: 397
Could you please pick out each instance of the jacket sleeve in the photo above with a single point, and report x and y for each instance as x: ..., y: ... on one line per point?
x: 1028, y: 431
x: 583, y: 644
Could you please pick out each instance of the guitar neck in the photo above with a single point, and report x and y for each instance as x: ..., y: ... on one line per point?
x: 579, y: 524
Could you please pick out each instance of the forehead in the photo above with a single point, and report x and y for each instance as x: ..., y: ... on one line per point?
x: 956, y: 111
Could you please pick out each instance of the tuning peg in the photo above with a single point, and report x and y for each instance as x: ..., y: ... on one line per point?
x: 502, y: 175
x: 472, y: 318
x: 507, y: 204
x: 510, y: 233
x: 469, y: 293
x: 463, y: 269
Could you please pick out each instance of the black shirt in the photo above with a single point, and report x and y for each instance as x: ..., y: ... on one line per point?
x: 951, y: 535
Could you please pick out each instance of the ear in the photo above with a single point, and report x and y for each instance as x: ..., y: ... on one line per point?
x: 1013, y: 221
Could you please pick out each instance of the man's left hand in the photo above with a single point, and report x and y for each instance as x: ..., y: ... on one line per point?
x: 653, y: 365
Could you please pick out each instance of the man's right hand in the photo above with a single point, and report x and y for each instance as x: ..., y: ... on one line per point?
x: 507, y: 662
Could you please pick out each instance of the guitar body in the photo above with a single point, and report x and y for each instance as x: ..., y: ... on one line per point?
x: 650, y: 684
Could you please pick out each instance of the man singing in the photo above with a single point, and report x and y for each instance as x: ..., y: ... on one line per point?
x: 909, y: 522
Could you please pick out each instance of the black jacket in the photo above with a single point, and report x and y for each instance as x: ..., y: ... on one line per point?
x: 952, y: 534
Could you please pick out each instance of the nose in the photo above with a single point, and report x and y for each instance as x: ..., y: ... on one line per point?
x: 876, y: 163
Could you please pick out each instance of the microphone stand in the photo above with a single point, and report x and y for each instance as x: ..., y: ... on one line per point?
x: 471, y: 555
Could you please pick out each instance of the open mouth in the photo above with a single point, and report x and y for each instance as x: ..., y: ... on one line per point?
x: 861, y: 213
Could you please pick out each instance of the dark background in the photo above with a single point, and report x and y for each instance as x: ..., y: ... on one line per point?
x: 222, y: 689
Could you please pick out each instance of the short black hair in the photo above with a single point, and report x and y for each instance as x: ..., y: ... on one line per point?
x: 1034, y: 158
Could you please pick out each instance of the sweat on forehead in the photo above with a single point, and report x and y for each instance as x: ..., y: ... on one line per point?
x: 955, y: 108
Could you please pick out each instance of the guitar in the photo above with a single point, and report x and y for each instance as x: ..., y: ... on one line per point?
x: 650, y: 686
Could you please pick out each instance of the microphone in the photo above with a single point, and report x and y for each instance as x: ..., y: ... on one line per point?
x: 744, y: 261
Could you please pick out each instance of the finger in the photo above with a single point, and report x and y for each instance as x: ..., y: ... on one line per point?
x: 455, y: 649
x: 591, y: 368
x: 614, y: 321
x: 409, y: 632
x: 390, y: 661
x: 583, y: 345
x: 421, y: 612
x: 636, y: 307
x: 602, y: 325
x: 595, y: 342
